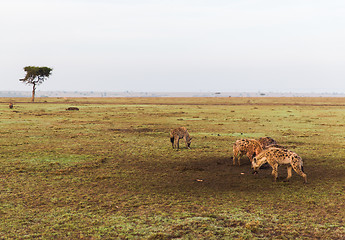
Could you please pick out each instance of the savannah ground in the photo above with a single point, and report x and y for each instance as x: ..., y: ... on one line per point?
x: 109, y: 171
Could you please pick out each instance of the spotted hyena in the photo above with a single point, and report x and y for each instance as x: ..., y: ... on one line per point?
x: 278, y: 156
x: 179, y: 133
x: 248, y: 147
x: 265, y: 141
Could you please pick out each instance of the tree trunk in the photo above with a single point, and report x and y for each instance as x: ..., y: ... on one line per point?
x: 33, y: 92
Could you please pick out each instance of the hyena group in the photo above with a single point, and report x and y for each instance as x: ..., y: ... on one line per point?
x: 261, y: 151
x: 266, y: 150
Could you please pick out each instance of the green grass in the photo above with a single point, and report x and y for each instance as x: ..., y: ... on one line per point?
x: 108, y: 171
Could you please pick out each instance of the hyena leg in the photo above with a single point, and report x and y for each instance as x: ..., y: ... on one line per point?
x: 234, y: 160
x: 176, y: 142
x: 289, y: 172
x: 235, y: 156
x: 275, y: 172
x: 172, y: 141
x: 250, y: 155
x: 185, y: 140
x: 239, y: 155
x: 298, y: 170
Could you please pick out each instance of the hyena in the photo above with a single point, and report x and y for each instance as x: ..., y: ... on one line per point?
x: 249, y: 147
x: 278, y: 156
x: 179, y: 133
x: 265, y: 141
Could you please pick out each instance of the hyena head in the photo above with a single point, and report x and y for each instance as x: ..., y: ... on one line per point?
x: 189, y: 141
x: 256, y: 163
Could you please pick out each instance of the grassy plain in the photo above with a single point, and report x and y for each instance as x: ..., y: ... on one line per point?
x: 108, y: 171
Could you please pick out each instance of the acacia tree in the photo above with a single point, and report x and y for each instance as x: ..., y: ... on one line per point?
x: 35, y: 76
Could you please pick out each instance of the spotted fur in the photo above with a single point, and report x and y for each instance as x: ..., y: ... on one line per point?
x: 180, y: 133
x: 278, y: 156
x: 248, y: 147
x: 265, y: 141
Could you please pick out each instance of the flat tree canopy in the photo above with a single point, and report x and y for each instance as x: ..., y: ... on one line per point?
x: 35, y: 76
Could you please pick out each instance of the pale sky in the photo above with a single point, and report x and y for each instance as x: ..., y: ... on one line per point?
x: 175, y: 45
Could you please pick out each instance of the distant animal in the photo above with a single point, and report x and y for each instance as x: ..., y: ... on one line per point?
x: 248, y: 147
x: 72, y: 109
x: 10, y: 105
x: 265, y: 141
x: 276, y: 157
x: 180, y: 133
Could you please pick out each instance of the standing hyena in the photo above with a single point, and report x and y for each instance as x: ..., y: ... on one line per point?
x: 278, y: 156
x: 177, y: 134
x: 249, y: 147
x: 265, y: 141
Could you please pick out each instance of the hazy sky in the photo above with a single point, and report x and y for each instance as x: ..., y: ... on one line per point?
x: 175, y: 45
